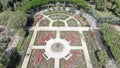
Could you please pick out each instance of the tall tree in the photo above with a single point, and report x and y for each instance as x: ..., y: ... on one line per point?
x: 101, y: 4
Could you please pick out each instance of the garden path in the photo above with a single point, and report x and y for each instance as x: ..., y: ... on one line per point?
x: 57, y: 29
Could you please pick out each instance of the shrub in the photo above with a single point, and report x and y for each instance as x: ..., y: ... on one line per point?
x: 112, y: 38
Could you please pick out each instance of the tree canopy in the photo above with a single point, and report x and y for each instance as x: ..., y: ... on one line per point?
x: 14, y: 20
x: 112, y: 38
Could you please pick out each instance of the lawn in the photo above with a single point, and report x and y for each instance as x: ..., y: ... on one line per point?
x: 58, y: 24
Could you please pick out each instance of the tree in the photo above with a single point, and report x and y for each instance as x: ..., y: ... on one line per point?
x: 4, y: 16
x: 112, y: 38
x: 22, y: 32
x: 1, y: 7
x: 117, y: 9
x: 15, y: 20
x: 101, y: 4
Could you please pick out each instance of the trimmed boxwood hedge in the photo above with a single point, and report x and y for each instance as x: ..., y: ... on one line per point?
x: 112, y: 38
x: 35, y: 3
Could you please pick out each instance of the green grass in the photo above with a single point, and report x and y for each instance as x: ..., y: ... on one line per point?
x: 58, y: 23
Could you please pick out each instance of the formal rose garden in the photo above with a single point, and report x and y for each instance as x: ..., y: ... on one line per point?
x: 38, y: 61
x: 43, y: 36
x: 76, y: 61
x: 72, y: 36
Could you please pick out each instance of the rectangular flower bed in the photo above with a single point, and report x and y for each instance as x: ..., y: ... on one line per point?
x: 73, y: 36
x: 38, y: 61
x: 44, y: 22
x: 43, y: 36
x: 75, y: 61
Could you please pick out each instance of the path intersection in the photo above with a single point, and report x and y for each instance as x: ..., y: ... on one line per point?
x: 61, y: 44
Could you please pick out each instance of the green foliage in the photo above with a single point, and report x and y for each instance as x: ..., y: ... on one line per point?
x: 102, y: 55
x: 112, y: 37
x: 22, y: 47
x: 22, y: 32
x: 16, y: 20
x: 4, y: 16
x: 3, y: 62
x: 35, y: 3
x: 101, y: 4
x: 108, y: 5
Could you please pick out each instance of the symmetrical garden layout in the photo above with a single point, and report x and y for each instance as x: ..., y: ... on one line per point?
x: 57, y: 42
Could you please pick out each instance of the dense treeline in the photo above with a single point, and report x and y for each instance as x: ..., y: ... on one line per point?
x: 112, y: 38
x: 16, y: 20
x: 35, y: 3
x: 107, y: 5
x: 12, y: 20
x: 11, y: 4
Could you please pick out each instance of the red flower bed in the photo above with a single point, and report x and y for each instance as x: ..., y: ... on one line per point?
x: 76, y: 60
x: 38, y: 58
x: 36, y: 19
x: 73, y: 37
x: 80, y: 20
x: 46, y: 37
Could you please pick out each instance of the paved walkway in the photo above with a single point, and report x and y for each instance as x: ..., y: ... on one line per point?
x: 47, y: 48
x: 29, y: 50
x: 85, y: 50
x: 59, y: 28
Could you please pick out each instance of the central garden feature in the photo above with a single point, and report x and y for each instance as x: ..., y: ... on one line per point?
x: 57, y: 47
x: 61, y: 47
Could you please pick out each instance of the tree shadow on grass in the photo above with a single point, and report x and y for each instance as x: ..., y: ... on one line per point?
x: 15, y: 60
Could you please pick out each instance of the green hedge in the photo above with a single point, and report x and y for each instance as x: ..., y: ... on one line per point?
x: 22, y: 47
x: 102, y: 56
x: 35, y: 3
x: 112, y: 38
